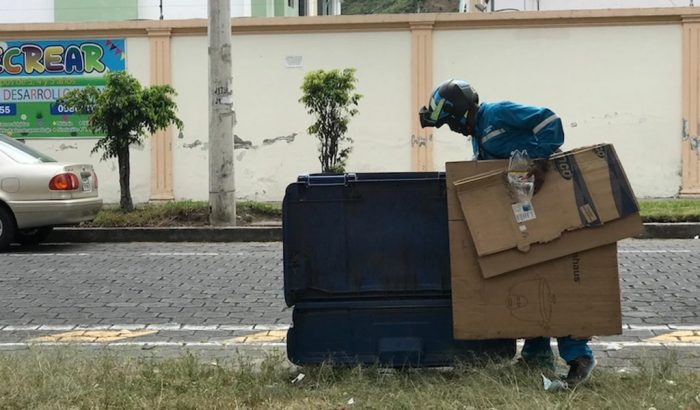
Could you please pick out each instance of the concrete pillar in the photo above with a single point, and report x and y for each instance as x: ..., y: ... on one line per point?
x: 690, y: 140
x: 421, y: 86
x: 161, y: 141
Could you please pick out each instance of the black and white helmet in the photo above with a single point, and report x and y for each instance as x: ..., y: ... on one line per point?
x: 449, y: 103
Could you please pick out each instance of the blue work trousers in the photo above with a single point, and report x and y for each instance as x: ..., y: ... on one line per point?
x: 569, y: 349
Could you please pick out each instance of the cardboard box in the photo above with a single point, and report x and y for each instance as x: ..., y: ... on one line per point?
x: 577, y: 294
x: 584, y: 188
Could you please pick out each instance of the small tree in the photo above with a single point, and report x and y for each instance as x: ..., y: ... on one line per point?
x: 330, y: 97
x: 124, y: 112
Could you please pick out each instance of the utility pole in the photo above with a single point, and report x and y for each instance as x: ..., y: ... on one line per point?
x: 222, y: 118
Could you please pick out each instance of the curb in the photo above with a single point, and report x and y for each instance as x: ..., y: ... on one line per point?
x: 681, y: 230
x: 172, y: 234
x: 274, y: 233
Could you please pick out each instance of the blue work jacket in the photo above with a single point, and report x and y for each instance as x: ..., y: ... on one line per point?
x: 503, y: 127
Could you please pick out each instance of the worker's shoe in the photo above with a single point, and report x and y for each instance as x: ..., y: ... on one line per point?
x: 580, y: 370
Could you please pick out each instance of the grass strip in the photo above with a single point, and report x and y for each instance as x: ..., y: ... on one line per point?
x: 71, y: 379
x: 181, y: 213
x: 670, y: 210
x: 196, y: 213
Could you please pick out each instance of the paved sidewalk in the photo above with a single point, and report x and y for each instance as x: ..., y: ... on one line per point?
x: 222, y: 299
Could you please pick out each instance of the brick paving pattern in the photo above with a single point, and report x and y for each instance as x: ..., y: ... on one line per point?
x: 218, y: 291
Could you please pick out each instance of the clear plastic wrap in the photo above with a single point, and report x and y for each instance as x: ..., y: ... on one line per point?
x: 522, y: 184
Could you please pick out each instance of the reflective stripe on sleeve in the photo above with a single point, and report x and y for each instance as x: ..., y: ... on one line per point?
x: 492, y: 134
x: 544, y: 123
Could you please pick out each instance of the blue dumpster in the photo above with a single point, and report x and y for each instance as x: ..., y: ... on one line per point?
x: 366, y: 235
x: 389, y: 332
x: 367, y: 271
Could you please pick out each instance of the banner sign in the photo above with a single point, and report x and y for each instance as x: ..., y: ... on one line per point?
x: 33, y: 74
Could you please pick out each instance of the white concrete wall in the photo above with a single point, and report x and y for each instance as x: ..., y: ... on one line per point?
x: 609, y: 84
x: 617, y: 84
x: 190, y: 148
x: 26, y: 11
x: 78, y: 149
x: 266, y: 94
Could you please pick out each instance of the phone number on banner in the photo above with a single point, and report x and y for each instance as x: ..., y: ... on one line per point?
x: 8, y: 109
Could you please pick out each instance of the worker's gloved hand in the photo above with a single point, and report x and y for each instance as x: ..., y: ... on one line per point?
x: 538, y: 168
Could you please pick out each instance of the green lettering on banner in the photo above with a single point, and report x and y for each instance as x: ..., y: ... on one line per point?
x: 32, y: 59
x: 93, y: 55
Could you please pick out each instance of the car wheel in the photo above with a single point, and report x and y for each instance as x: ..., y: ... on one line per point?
x: 7, y: 228
x: 33, y: 236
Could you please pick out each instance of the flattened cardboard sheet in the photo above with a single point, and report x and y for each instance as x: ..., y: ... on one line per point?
x: 584, y: 188
x: 576, y: 294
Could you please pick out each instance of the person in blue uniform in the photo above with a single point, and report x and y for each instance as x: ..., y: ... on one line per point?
x: 496, y: 130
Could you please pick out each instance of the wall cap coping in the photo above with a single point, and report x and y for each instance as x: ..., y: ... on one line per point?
x: 375, y: 22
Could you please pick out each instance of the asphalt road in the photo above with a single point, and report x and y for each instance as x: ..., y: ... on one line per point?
x: 221, y: 295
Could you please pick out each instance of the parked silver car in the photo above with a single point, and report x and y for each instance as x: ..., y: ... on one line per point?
x: 38, y: 193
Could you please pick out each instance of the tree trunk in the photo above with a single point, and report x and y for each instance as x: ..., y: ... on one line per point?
x: 125, y: 202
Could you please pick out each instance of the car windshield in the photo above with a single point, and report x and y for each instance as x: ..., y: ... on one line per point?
x: 20, y: 152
